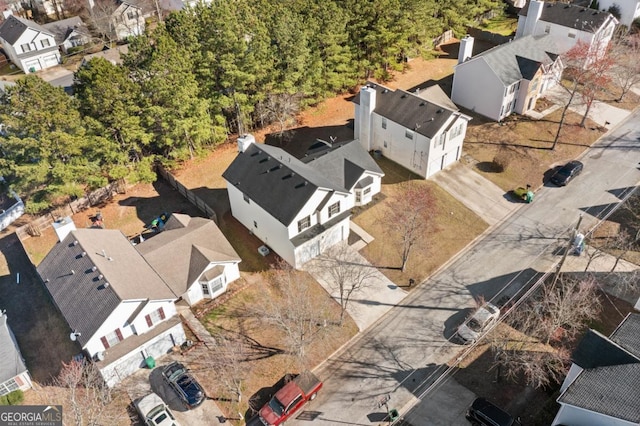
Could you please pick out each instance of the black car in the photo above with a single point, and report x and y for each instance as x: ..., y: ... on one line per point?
x: 567, y: 172
x: 185, y: 385
x: 484, y: 413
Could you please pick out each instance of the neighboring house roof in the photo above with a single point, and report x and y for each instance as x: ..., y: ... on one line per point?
x: 12, y: 363
x: 436, y: 95
x: 409, y: 110
x: 113, y: 55
x: 595, y: 350
x: 571, y: 16
x: 520, y: 58
x: 14, y: 26
x: 627, y: 334
x: 276, y: 181
x: 607, y: 390
x: 184, y: 249
x: 62, y: 29
x: 79, y: 290
x: 343, y: 163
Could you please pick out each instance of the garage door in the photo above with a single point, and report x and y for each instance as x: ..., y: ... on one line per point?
x: 50, y: 61
x: 31, y: 66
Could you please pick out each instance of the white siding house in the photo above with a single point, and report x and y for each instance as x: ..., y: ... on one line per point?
x: 422, y: 132
x: 69, y: 33
x: 28, y: 45
x: 117, y: 307
x: 600, y: 388
x: 128, y: 20
x: 13, y: 372
x: 300, y: 207
x: 629, y: 9
x: 507, y: 78
x: 568, y: 23
x: 203, y: 263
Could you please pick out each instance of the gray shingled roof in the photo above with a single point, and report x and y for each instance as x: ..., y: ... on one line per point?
x: 571, y: 16
x: 520, y: 58
x: 608, y: 390
x: 79, y: 291
x: 12, y: 363
x: 409, y: 110
x: 14, y: 26
x: 61, y: 29
x: 595, y: 350
x: 627, y: 334
x: 185, y: 247
x: 276, y: 181
x: 343, y: 163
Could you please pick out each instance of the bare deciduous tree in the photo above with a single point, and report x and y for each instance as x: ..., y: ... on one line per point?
x: 302, y: 316
x: 411, y: 217
x: 345, y: 272
x: 89, y: 398
x: 280, y: 107
x: 625, y: 72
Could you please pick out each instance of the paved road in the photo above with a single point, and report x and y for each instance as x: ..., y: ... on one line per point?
x: 404, y: 351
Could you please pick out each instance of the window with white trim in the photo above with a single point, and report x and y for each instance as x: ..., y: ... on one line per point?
x: 442, y: 138
x: 8, y: 386
x: 384, y: 123
x: 217, y: 284
x: 205, y: 289
x: 547, y: 29
x: 26, y: 47
x: 334, y: 209
x: 304, y: 223
x: 45, y: 42
x: 155, y: 317
x: 245, y: 197
x: 366, y: 191
x: 112, y: 338
x: 572, y: 34
x: 408, y: 134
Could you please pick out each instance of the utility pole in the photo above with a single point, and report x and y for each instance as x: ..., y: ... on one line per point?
x: 564, y: 256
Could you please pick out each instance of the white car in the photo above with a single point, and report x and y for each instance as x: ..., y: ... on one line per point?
x: 481, y: 320
x: 154, y: 412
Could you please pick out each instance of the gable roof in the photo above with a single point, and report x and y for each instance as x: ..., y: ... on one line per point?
x: 409, y: 110
x: 63, y: 28
x: 627, y: 334
x: 571, y: 16
x: 185, y: 247
x: 276, y: 181
x: 520, y: 58
x: 607, y: 390
x: 595, y: 350
x: 12, y: 363
x: 76, y: 269
x: 343, y: 163
x: 14, y: 27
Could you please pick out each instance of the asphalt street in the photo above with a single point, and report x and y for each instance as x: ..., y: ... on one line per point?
x: 404, y: 352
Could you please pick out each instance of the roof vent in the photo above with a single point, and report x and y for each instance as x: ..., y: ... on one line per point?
x: 94, y: 268
x: 75, y: 242
x: 100, y: 276
x: 106, y: 285
x: 440, y: 111
x: 385, y: 91
x: 83, y: 254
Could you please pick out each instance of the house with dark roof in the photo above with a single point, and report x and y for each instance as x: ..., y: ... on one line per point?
x: 422, y: 132
x: 601, y: 385
x: 299, y: 207
x: 117, y: 307
x: 13, y: 372
x: 568, y: 23
x: 69, y: 33
x: 30, y: 46
x: 507, y: 78
x: 193, y: 257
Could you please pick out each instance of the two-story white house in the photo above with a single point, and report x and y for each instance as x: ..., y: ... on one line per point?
x: 300, y: 207
x: 601, y: 385
x: 128, y: 19
x: 568, y: 23
x: 422, y: 132
x: 507, y: 78
x: 28, y: 45
x: 629, y: 9
x: 193, y: 257
x: 117, y: 307
x: 69, y: 33
x: 13, y: 371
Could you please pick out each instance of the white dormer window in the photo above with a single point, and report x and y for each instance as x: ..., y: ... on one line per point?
x: 304, y: 223
x: 26, y: 47
x: 334, y: 209
x: 442, y: 138
x: 45, y: 42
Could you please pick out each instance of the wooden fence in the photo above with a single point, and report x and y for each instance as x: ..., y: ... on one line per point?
x: 187, y: 193
x: 443, y: 38
x: 36, y: 226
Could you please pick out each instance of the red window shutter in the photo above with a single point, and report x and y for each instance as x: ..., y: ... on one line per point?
x: 148, y: 318
x: 162, y: 316
x: 104, y: 342
x: 19, y: 381
x: 119, y: 334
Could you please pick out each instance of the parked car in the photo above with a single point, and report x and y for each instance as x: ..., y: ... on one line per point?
x: 567, y: 172
x: 483, y: 318
x: 185, y: 385
x: 484, y: 413
x: 154, y: 412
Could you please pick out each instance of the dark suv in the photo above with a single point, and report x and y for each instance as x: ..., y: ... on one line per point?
x: 184, y: 384
x: 567, y: 173
x: 484, y: 413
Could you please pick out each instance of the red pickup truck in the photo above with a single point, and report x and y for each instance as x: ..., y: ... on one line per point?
x: 284, y: 404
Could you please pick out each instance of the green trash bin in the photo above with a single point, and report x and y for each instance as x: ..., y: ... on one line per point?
x: 393, y: 415
x: 151, y: 363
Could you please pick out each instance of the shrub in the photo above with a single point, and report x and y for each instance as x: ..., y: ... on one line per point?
x: 502, y: 159
x: 12, y: 398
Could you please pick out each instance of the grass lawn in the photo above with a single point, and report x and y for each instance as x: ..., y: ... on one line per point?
x: 455, y: 227
x: 503, y: 25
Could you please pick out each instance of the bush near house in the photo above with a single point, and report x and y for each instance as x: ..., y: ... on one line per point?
x: 12, y: 398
